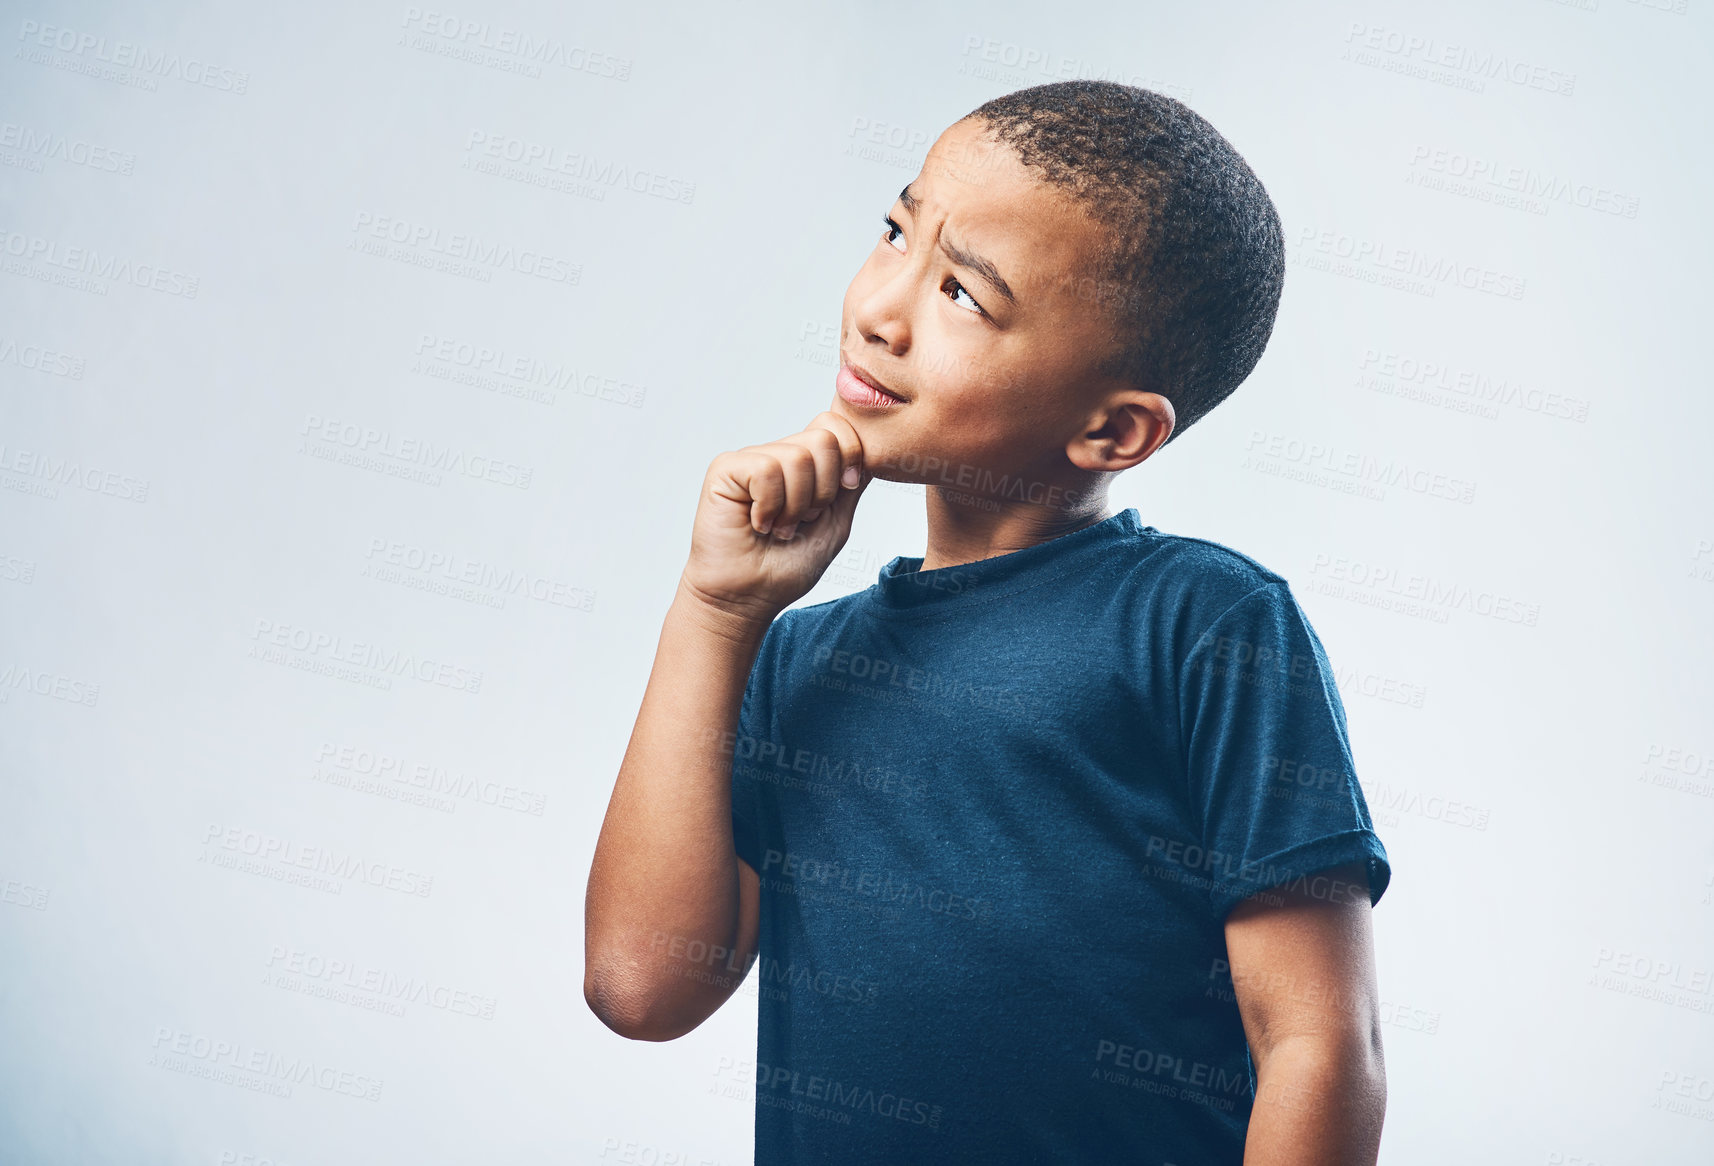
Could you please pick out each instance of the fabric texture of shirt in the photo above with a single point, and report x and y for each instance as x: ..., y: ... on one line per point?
x: 1000, y: 812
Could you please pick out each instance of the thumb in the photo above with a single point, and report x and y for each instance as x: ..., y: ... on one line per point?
x: 845, y: 504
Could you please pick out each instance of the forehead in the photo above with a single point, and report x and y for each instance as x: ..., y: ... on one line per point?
x: 993, y: 204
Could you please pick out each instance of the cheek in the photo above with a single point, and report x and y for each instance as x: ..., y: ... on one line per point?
x: 998, y: 380
x: 958, y: 353
x: 969, y: 417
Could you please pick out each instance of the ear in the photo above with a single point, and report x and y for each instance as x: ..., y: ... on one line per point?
x: 1123, y: 431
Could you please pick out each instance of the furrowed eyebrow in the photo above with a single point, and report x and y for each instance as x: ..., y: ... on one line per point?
x: 974, y: 262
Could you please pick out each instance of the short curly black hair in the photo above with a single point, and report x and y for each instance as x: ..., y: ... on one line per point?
x: 1195, y: 259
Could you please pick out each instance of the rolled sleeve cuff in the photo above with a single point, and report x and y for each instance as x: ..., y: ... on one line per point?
x: 1295, y: 862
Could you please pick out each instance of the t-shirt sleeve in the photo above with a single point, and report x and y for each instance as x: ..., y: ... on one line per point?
x: 746, y: 812
x: 750, y: 738
x: 1268, y: 761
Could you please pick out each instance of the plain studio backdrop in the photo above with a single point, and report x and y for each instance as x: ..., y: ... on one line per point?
x: 359, y: 365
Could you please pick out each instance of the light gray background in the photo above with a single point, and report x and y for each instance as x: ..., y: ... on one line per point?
x: 1533, y: 732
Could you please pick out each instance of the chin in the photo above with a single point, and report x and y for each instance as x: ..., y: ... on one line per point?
x: 893, y: 462
x: 889, y: 454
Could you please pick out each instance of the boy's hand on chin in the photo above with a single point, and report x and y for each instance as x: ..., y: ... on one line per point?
x: 772, y: 517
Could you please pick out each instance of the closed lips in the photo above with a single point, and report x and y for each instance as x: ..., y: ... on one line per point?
x: 863, y: 376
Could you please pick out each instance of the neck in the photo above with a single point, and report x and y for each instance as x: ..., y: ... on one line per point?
x: 963, y: 528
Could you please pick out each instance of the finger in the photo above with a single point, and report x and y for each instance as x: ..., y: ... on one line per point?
x: 845, y: 505
x: 850, y: 445
x: 754, y: 477
x: 797, y: 470
x: 823, y: 445
x: 834, y: 529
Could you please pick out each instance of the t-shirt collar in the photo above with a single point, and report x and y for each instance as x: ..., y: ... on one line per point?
x: 904, y: 586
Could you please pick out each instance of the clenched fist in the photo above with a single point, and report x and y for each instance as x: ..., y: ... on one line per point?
x: 773, y: 516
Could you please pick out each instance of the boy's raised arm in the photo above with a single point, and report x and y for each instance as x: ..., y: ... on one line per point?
x: 666, y: 886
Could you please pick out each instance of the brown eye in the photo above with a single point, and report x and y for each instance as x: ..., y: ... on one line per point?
x: 960, y: 291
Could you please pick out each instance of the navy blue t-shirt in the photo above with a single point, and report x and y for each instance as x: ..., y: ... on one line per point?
x: 1000, y: 812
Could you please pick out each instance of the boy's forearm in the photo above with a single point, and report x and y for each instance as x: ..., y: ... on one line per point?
x: 664, y: 864
x: 1319, y: 1102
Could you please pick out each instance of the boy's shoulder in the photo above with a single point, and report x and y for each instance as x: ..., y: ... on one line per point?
x: 1187, y: 583
x: 1204, y: 562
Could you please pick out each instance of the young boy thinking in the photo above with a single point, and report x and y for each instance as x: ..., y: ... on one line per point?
x: 1050, y: 842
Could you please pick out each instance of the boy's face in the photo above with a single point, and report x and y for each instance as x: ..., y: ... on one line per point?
x: 990, y: 382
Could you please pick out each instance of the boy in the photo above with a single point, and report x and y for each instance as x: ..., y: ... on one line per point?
x: 1049, y: 843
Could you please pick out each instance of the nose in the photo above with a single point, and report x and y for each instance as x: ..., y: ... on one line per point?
x: 880, y: 306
